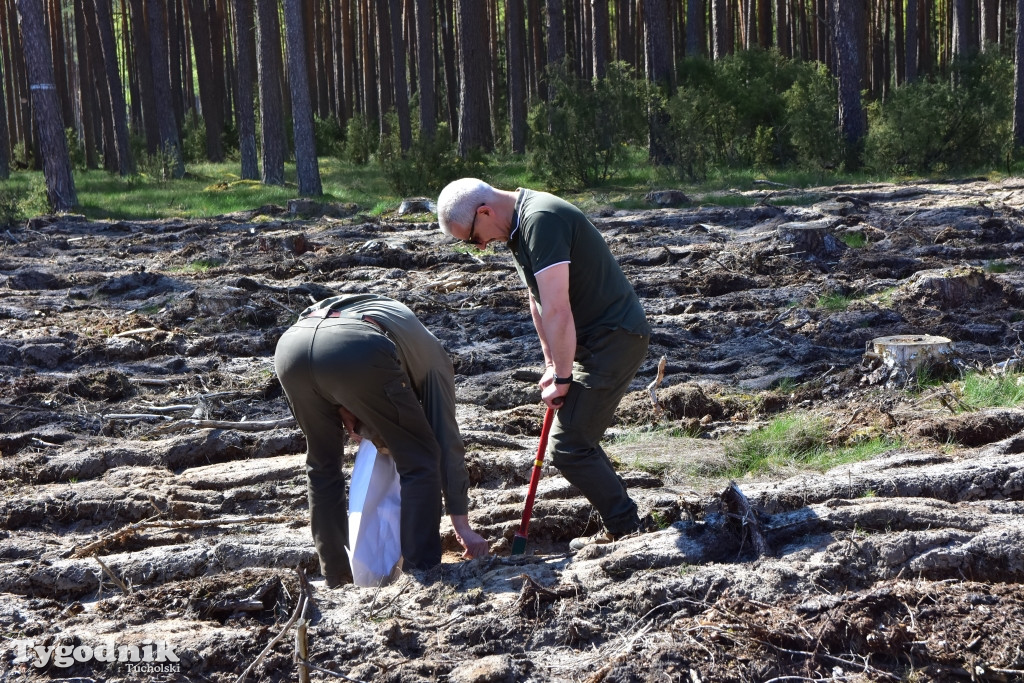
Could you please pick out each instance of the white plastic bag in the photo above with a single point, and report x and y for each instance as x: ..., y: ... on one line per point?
x: 374, y: 518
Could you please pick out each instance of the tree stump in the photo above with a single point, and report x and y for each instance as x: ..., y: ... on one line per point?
x: 896, y: 359
x: 813, y: 238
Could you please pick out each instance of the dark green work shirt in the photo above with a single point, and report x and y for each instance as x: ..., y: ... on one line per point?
x: 429, y: 369
x: 547, y: 231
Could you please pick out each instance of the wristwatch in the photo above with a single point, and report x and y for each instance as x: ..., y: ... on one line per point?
x: 563, y: 380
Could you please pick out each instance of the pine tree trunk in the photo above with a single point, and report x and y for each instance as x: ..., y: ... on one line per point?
x: 245, y: 61
x: 764, y: 24
x: 5, y: 150
x: 556, y: 33
x: 144, y: 74
x: 401, y: 94
x: 516, y: 75
x: 60, y: 184
x: 602, y: 37
x: 989, y: 30
x: 695, y: 28
x: 347, y: 57
x: 175, y: 39
x: 210, y: 85
x: 60, y: 60
x: 268, y: 62
x: 425, y: 63
x: 720, y: 21
x: 961, y: 38
x: 912, y: 41
x: 848, y: 70
x: 306, y: 167
x: 384, y: 64
x: 119, y: 115
x: 658, y: 60
x: 1018, y: 79
x: 538, y: 53
x: 371, y: 98
x: 167, y: 129
x: 474, y: 114
x: 783, y: 37
x: 87, y: 95
x: 623, y: 32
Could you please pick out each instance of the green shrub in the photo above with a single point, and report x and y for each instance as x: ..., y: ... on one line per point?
x: 360, y: 140
x: 427, y: 166
x: 811, y: 115
x: 754, y: 108
x: 76, y: 150
x: 10, y: 207
x: 330, y: 137
x: 581, y: 135
x: 960, y: 123
x: 193, y: 138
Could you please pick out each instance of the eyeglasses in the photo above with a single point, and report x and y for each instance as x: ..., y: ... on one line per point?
x: 471, y: 238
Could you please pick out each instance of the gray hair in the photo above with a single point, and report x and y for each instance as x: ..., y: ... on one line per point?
x: 459, y: 200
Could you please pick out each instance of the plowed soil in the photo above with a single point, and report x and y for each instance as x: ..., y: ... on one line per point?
x: 154, y: 487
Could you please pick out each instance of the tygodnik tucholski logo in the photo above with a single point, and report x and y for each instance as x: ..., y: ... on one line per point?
x: 148, y: 656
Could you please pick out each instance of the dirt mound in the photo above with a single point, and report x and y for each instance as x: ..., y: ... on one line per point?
x: 153, y: 481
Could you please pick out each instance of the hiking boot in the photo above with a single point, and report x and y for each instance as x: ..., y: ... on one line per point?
x: 597, y: 539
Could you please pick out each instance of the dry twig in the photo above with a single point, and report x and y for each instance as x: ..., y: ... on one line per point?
x: 114, y: 577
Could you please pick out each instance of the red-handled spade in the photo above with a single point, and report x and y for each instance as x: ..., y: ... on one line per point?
x: 519, y: 542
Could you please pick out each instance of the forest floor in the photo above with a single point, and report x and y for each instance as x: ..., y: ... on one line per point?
x: 153, y: 485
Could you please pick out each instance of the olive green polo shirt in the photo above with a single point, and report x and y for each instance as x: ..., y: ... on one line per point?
x: 547, y: 231
x: 429, y: 368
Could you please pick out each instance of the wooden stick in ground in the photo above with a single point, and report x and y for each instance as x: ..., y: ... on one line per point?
x: 739, y: 507
x: 652, y: 389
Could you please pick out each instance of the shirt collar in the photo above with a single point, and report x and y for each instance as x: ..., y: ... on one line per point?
x: 516, y: 213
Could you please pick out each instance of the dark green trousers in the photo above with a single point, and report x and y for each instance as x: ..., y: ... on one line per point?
x: 609, y: 362
x: 324, y: 363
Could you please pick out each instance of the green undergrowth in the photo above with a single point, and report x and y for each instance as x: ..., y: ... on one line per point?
x: 987, y: 391
x: 796, y: 441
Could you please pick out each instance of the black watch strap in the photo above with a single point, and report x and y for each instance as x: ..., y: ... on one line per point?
x: 563, y: 380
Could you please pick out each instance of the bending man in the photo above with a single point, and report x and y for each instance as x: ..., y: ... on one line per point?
x: 363, y: 364
x: 584, y: 309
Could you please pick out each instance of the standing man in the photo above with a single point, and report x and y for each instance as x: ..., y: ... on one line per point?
x: 584, y: 309
x: 363, y: 364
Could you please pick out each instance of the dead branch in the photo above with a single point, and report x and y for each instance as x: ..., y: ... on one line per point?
x: 253, y: 426
x: 652, y: 389
x: 133, y: 416
x: 132, y: 529
x: 140, y: 330
x: 114, y: 577
x: 738, y: 507
x: 299, y: 608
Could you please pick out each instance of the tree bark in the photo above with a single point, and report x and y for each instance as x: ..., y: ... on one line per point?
x: 451, y: 69
x: 60, y: 60
x: 119, y: 116
x: 556, y: 33
x: 60, y: 184
x: 602, y: 37
x: 912, y: 41
x: 166, y: 126
x: 384, y: 64
x: 516, y: 75
x: 425, y: 63
x: 695, y: 28
x: 658, y: 61
x: 144, y: 75
x: 961, y: 34
x: 1018, y: 79
x: 474, y: 114
x: 764, y: 24
x: 371, y: 98
x: 272, y: 137
x: 5, y: 150
x: 989, y: 30
x: 848, y: 70
x: 306, y: 167
x: 245, y: 54
x: 209, y: 89
x: 401, y: 94
x: 720, y: 21
x: 87, y: 96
